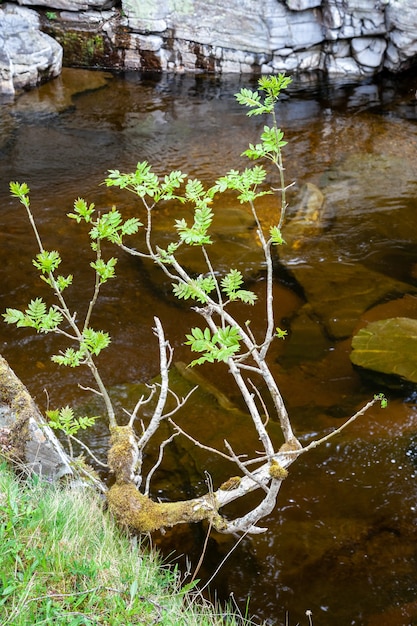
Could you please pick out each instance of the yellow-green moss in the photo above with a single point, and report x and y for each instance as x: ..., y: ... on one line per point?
x: 136, y: 511
x: 122, y: 453
x: 14, y: 394
x: 277, y: 471
x: 231, y: 483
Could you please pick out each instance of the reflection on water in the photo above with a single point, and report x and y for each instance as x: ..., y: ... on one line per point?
x: 342, y: 542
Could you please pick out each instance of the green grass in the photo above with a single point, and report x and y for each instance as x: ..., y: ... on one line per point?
x: 64, y: 561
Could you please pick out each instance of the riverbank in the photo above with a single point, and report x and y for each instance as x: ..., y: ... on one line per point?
x: 64, y: 561
x: 334, y: 39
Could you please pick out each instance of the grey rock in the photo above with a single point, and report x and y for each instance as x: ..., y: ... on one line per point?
x: 302, y: 5
x: 69, y: 5
x: 28, y: 56
x: 402, y: 26
x: 369, y: 51
x: 33, y: 442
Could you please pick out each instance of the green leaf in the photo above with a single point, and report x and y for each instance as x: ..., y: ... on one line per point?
x: 254, y: 151
x: 281, y: 333
x: 271, y: 86
x: 14, y: 316
x: 107, y: 226
x: 35, y: 316
x: 232, y: 281
x: 20, y: 191
x: 196, y: 289
x: 130, y: 226
x: 229, y: 336
x: 95, y: 341
x: 64, y: 419
x: 167, y: 256
x: 47, y: 262
x: 195, y: 191
x: 220, y: 347
x: 70, y: 358
x: 246, y: 182
x: 171, y: 183
x: 230, y: 285
x: 104, y: 269
x: 197, y: 233
x: 143, y: 182
x: 380, y: 397
x: 63, y: 282
x: 251, y: 99
x: 276, y: 236
x: 274, y: 84
x: 82, y: 211
x: 248, y: 297
x: 272, y: 139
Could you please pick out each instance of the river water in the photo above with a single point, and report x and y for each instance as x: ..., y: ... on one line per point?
x: 342, y: 541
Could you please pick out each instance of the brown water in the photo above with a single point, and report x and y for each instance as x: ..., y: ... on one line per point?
x: 342, y: 541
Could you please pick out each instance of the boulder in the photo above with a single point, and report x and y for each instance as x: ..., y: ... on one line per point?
x: 27, y: 56
x: 402, y: 26
x: 25, y: 437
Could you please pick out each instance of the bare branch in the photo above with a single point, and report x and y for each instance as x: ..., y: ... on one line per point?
x: 198, y: 443
x: 141, y: 402
x: 87, y: 449
x: 337, y: 431
x: 163, y: 394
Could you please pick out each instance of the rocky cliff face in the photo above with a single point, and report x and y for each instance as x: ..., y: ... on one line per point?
x: 354, y: 38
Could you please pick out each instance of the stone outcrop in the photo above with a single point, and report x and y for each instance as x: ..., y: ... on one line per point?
x: 339, y: 38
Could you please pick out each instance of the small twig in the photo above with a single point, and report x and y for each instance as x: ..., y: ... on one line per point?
x: 318, y: 442
x: 203, y: 553
x: 140, y: 403
x: 222, y: 562
x: 96, y: 391
x: 261, y: 400
x: 87, y: 449
x: 242, y: 467
x: 158, y: 462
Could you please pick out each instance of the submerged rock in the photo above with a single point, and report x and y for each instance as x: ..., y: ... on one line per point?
x: 388, y: 347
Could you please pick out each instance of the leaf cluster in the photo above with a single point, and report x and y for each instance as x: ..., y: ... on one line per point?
x: 220, y: 346
x: 197, y: 234
x: 143, y: 182
x: 64, y: 420
x: 91, y: 343
x: 197, y: 289
x: 47, y: 262
x: 272, y: 138
x: 271, y: 86
x: 231, y: 286
x: 246, y: 183
x: 36, y: 316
